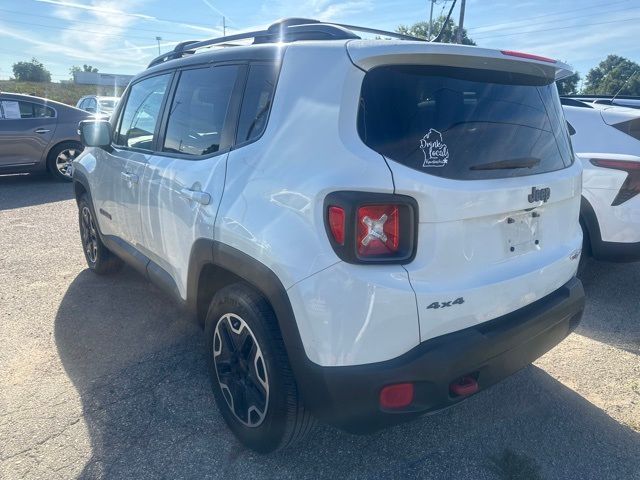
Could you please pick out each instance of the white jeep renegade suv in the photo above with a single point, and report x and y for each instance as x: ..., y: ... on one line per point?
x: 368, y: 230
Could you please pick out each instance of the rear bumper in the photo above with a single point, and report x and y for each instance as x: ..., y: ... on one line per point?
x: 348, y: 396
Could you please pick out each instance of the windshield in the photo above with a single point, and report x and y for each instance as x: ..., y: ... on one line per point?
x: 464, y: 123
x: 107, y: 105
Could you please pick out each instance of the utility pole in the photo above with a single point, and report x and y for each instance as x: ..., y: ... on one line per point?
x: 224, y: 26
x: 158, y: 40
x: 461, y: 22
x: 431, y: 20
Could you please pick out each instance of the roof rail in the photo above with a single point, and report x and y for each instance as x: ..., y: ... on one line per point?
x: 286, y: 30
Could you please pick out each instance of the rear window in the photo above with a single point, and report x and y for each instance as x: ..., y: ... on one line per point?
x: 631, y: 127
x: 464, y: 123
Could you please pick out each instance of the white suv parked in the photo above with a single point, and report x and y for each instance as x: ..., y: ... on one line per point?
x: 610, y: 211
x: 369, y: 230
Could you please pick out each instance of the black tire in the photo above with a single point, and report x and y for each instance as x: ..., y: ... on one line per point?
x: 70, y: 150
x: 99, y: 258
x: 283, y: 419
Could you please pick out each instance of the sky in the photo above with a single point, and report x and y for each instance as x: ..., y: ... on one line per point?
x: 120, y: 36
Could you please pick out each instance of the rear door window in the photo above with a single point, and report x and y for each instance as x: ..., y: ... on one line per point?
x: 198, y: 112
x: 463, y: 123
x: 140, y: 114
x: 17, y: 109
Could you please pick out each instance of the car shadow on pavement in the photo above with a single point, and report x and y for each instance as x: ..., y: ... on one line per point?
x: 612, y: 314
x: 138, y: 365
x: 17, y: 191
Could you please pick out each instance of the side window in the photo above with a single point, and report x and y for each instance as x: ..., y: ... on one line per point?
x: 40, y: 111
x: 26, y: 109
x: 140, y: 114
x: 199, y: 110
x: 257, y: 102
x: 13, y: 110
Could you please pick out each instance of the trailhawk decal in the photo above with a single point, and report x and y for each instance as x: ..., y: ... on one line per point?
x: 436, y: 153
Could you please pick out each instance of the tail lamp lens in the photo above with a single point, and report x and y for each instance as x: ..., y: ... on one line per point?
x: 375, y: 228
x: 378, y: 230
x: 631, y: 186
x: 336, y: 223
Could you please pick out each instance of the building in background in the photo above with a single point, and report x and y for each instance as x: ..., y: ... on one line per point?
x: 101, y: 79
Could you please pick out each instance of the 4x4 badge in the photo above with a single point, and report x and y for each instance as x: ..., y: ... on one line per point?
x: 541, y: 195
x: 436, y: 153
x: 450, y: 303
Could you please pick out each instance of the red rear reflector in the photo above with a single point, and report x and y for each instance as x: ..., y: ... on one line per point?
x: 529, y: 56
x: 396, y: 396
x: 378, y: 230
x: 336, y: 224
x: 464, y: 386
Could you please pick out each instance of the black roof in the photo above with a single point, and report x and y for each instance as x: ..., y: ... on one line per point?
x: 237, y: 53
x: 283, y: 31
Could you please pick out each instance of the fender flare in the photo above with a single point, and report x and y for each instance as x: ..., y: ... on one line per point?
x: 79, y: 178
x: 266, y: 282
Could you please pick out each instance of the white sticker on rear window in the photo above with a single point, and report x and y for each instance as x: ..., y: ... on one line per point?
x: 11, y: 110
x: 436, y: 153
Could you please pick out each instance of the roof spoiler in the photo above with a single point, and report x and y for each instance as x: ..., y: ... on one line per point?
x: 286, y: 30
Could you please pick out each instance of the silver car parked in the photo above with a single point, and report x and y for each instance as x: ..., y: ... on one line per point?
x: 38, y: 135
x: 98, y: 105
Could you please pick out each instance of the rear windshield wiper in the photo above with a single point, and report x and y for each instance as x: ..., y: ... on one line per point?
x: 526, y: 162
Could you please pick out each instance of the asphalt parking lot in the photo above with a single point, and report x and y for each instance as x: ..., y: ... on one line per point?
x: 105, y: 378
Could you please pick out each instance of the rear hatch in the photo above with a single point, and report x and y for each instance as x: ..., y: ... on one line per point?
x: 479, y: 139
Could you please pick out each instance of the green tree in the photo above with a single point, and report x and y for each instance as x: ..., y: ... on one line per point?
x: 421, y: 29
x: 84, y: 68
x: 569, y: 85
x: 613, y: 74
x: 32, y: 71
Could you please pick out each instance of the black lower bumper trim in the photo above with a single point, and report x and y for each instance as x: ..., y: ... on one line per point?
x: 347, y: 397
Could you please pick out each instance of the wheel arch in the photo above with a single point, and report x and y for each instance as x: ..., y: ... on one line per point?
x: 47, y: 157
x: 80, y: 185
x: 213, y: 265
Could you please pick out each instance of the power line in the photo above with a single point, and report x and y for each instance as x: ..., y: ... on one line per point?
x: 564, y: 20
x: 99, y: 24
x: 82, y: 31
x: 550, y: 14
x: 556, y: 28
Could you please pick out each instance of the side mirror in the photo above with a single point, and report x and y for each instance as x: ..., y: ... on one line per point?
x: 95, y: 133
x: 572, y: 131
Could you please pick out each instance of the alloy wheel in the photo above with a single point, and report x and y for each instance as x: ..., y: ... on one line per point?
x: 241, y: 370
x: 65, y: 159
x: 89, y: 235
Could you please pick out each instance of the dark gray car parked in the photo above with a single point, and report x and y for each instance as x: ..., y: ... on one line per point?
x: 37, y: 134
